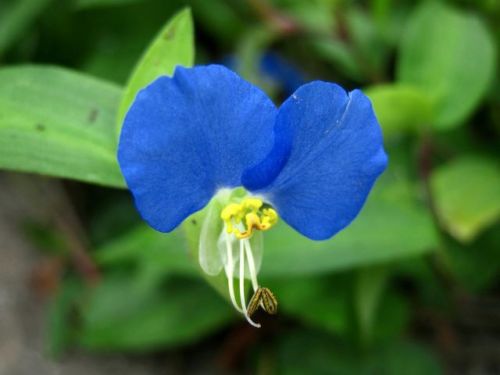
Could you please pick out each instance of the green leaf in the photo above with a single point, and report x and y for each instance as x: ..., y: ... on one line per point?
x: 155, y: 254
x: 369, y: 288
x: 119, y: 315
x: 59, y: 319
x: 174, y: 45
x: 477, y: 265
x: 322, y: 302
x: 16, y: 17
x: 368, y: 45
x: 466, y: 195
x: 318, y: 16
x: 450, y: 55
x: 390, y: 319
x: 313, y: 352
x: 89, y: 4
x: 339, y: 55
x: 220, y: 20
x: 249, y: 53
x: 405, y: 358
x: 327, y: 302
x: 400, y: 108
x: 58, y: 122
x: 389, y: 17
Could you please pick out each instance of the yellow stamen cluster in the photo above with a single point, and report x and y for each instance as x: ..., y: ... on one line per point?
x: 251, y: 214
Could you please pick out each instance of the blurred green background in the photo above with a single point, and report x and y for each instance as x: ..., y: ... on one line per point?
x: 411, y: 287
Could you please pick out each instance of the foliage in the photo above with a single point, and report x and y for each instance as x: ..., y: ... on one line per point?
x: 57, y: 122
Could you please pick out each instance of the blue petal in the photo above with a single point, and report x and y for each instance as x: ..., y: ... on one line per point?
x: 335, y: 157
x: 265, y: 172
x: 187, y: 136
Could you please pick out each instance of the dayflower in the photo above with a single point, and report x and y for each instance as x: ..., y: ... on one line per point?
x: 206, y: 135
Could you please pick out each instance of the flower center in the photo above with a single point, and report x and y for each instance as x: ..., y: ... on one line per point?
x: 251, y: 214
x: 240, y: 222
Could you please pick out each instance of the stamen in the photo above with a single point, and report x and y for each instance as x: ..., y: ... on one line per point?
x: 251, y: 214
x: 240, y: 221
x: 255, y: 301
x: 265, y: 298
x: 251, y: 264
x: 229, y: 268
x: 242, y: 285
x: 269, y: 300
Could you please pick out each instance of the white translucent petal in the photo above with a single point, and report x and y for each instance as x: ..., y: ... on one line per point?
x: 209, y: 256
x: 235, y: 247
x: 224, y: 237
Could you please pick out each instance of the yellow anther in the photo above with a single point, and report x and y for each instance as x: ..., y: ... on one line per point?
x: 230, y: 210
x: 252, y: 203
x: 252, y: 220
x: 269, y: 216
x: 242, y: 219
x: 231, y: 215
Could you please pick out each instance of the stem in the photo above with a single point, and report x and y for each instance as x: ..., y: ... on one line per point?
x: 284, y: 24
x: 437, y: 261
x: 69, y: 224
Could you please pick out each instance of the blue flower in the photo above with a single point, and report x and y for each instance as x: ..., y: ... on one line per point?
x: 205, y: 131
